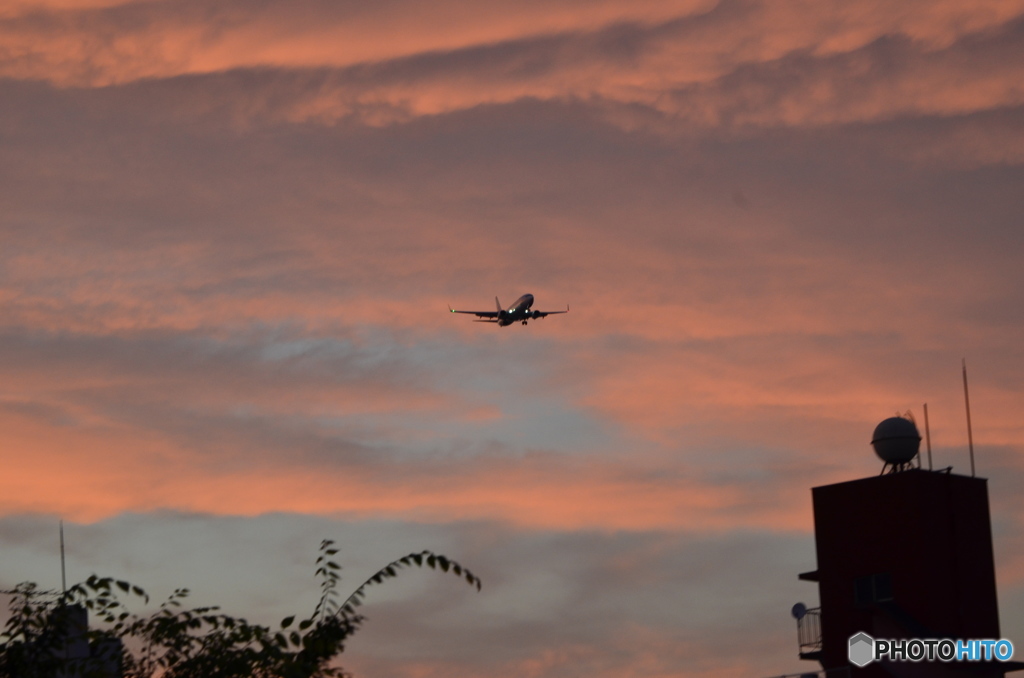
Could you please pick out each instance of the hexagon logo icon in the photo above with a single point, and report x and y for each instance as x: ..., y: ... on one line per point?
x: 862, y: 649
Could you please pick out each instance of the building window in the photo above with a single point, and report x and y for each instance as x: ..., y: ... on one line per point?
x: 875, y: 588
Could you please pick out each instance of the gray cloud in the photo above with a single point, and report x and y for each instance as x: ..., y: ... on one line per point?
x: 543, y: 591
x: 772, y: 235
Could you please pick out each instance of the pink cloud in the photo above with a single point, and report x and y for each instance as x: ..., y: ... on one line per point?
x: 91, y: 468
x: 701, y: 64
x: 231, y: 233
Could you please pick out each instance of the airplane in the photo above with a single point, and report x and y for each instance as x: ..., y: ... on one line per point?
x: 518, y: 312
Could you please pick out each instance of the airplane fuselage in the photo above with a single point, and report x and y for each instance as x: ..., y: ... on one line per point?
x: 518, y: 312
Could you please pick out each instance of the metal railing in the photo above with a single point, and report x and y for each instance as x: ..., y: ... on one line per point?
x: 808, y: 629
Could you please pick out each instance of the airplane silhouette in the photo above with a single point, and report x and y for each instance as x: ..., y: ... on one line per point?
x: 518, y: 312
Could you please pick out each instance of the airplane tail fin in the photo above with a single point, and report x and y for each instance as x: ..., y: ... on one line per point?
x: 498, y: 303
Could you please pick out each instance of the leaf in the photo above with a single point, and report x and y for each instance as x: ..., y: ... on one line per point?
x: 287, y: 621
x: 391, y: 570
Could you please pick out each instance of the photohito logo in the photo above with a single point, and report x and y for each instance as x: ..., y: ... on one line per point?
x: 864, y: 649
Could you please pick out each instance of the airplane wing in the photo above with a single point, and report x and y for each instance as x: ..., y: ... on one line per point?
x: 494, y: 315
x: 479, y: 314
x: 541, y: 314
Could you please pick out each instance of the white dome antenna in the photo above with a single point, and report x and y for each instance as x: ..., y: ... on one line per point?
x: 896, y: 442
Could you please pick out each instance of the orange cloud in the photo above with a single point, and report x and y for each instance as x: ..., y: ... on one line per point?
x: 696, y: 63
x: 76, y: 464
x: 694, y: 307
x: 161, y: 40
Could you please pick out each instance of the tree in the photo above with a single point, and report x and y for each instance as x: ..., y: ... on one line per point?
x: 47, y: 637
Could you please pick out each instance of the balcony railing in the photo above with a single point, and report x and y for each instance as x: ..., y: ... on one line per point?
x: 808, y: 629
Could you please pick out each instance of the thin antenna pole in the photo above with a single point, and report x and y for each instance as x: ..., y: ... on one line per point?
x: 927, y: 436
x: 63, y: 576
x: 967, y: 404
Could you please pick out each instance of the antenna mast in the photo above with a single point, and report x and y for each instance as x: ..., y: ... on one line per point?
x: 967, y: 404
x: 63, y: 577
x: 928, y: 436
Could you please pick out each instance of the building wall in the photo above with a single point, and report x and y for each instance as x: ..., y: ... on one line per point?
x: 904, y: 555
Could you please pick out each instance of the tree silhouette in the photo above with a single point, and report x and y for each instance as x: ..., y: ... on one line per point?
x: 46, y: 635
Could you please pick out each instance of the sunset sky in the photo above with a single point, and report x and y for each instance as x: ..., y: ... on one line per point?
x: 230, y: 231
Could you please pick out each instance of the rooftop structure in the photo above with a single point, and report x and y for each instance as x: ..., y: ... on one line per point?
x: 903, y: 555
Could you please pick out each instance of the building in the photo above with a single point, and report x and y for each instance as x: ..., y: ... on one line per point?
x: 76, y: 652
x: 904, y: 555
